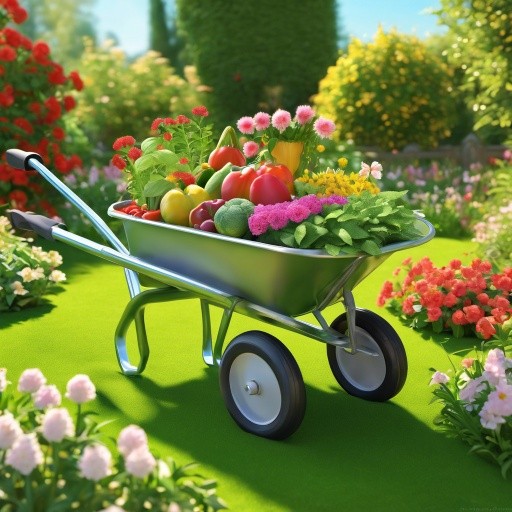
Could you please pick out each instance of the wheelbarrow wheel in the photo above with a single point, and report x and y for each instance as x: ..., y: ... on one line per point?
x: 377, y: 371
x: 262, y: 385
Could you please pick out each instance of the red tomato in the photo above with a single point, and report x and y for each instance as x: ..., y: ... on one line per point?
x: 238, y: 184
x: 280, y: 171
x: 152, y: 215
x: 267, y: 189
x: 221, y: 156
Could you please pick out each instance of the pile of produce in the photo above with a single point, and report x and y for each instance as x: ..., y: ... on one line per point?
x: 178, y: 177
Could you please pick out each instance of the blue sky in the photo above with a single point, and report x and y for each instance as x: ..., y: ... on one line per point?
x: 360, y: 18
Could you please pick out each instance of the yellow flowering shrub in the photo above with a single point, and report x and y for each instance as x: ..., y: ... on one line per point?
x: 390, y: 92
x: 333, y: 182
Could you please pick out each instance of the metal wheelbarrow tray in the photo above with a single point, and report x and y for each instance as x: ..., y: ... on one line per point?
x: 260, y: 381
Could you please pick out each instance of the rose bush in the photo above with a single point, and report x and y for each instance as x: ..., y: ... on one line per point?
x: 35, y: 93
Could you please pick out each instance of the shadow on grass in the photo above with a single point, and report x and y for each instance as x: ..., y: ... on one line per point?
x: 330, y: 463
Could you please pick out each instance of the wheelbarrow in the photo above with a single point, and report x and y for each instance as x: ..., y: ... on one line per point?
x: 260, y: 381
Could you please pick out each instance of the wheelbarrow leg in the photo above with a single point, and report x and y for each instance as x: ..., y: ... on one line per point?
x: 213, y: 354
x: 134, y: 311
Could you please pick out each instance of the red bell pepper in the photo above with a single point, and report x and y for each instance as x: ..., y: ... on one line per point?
x: 238, y: 184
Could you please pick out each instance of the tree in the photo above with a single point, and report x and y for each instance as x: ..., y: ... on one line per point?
x: 63, y: 24
x: 159, y: 32
x: 258, y: 55
x: 482, y: 50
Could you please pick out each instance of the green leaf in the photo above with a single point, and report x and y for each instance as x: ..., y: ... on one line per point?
x: 149, y: 145
x: 300, y: 233
x: 333, y: 250
x: 344, y: 235
x: 370, y: 247
x: 158, y: 187
x: 164, y: 158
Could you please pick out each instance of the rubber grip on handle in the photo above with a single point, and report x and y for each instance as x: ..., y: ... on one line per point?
x: 18, y: 159
x: 39, y: 223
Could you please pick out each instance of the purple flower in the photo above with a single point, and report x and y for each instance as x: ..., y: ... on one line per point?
x: 277, y: 218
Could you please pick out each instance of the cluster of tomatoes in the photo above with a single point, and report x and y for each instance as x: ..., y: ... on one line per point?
x: 141, y: 211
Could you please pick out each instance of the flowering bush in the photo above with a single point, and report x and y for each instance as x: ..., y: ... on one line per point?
x: 477, y: 405
x: 50, y: 461
x: 360, y: 93
x: 492, y: 232
x: 34, y: 95
x: 267, y: 130
x: 122, y: 95
x: 181, y: 144
x: 468, y: 300
x: 26, y: 271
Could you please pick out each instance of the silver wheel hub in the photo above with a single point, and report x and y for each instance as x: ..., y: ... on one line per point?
x: 255, y: 389
x: 365, y: 369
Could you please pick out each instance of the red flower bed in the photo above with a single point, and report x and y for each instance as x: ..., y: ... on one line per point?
x: 468, y: 300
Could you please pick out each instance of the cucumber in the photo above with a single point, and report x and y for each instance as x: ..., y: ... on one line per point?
x: 214, y: 184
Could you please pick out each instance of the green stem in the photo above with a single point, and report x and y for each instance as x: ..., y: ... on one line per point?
x: 28, y: 493
x: 78, y: 418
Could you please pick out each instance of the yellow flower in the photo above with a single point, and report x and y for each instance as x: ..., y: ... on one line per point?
x: 342, y: 162
x: 320, y: 148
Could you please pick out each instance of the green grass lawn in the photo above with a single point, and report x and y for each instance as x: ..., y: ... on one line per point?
x: 348, y: 455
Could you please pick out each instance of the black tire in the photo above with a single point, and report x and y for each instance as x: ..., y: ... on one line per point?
x: 262, y: 385
x: 376, y: 378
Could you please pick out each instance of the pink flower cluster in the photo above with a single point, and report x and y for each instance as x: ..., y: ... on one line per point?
x: 487, y: 393
x: 277, y: 216
x: 459, y: 296
x: 24, y: 451
x: 303, y: 127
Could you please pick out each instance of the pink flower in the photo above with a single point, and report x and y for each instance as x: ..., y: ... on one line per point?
x: 439, y: 378
x: 324, y: 127
x: 25, y: 454
x: 246, y: 125
x: 467, y: 362
x: 251, y: 149
x: 95, y: 462
x: 277, y: 218
x: 472, y: 389
x: 31, y: 380
x: 304, y: 114
x: 57, y: 424
x: 297, y: 212
x: 80, y: 389
x: 261, y: 121
x: 10, y: 430
x: 281, y: 119
x: 113, y: 508
x: 258, y: 224
x: 140, y: 462
x: 495, y: 366
x: 131, y: 438
x: 375, y: 170
x: 499, y: 402
x: 489, y: 420
x: 47, y: 396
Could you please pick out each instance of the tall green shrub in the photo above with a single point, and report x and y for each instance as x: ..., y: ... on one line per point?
x: 258, y: 55
x: 389, y: 92
x: 482, y: 50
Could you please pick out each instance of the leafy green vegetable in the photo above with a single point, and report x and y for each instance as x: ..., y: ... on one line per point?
x: 365, y: 224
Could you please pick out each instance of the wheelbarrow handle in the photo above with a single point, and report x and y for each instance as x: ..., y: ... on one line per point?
x: 42, y: 225
x: 19, y: 159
